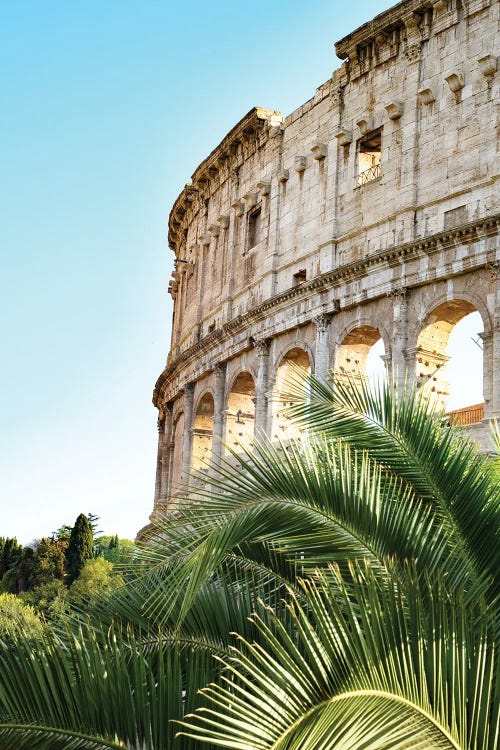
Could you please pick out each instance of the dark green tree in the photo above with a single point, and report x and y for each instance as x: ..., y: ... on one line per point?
x: 10, y: 553
x: 20, y: 573
x: 80, y: 548
x: 63, y: 533
x: 49, y: 561
x: 94, y: 523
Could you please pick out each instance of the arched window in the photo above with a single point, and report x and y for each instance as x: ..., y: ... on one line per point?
x: 450, y: 360
x: 361, y: 353
x: 203, y: 429
x: 282, y: 428
x: 240, y: 414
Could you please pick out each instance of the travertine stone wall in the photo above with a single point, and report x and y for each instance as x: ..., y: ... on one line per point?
x: 371, y: 212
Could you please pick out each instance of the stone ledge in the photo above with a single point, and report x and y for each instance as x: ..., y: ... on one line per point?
x: 252, y: 122
x: 355, y: 270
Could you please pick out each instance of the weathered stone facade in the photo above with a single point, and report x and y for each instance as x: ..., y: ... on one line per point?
x: 370, y: 212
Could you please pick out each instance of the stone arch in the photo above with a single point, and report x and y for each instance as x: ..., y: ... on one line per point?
x: 355, y: 346
x: 291, y: 357
x: 202, y: 431
x: 289, y: 346
x: 432, y: 356
x: 473, y: 299
x: 231, y: 380
x: 240, y: 412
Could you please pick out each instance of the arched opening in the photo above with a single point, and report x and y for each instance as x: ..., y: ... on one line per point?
x: 361, y: 353
x: 282, y: 428
x: 450, y: 360
x: 240, y: 414
x: 203, y: 430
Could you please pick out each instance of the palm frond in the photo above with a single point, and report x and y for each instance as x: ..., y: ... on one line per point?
x: 124, y: 690
x: 441, y: 465
x: 30, y: 737
x: 370, y: 667
x: 299, y: 508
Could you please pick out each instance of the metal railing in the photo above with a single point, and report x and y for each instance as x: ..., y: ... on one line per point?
x: 466, y: 415
x: 370, y: 175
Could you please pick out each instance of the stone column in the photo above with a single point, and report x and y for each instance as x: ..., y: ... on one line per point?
x: 161, y: 425
x: 178, y: 310
x: 165, y: 452
x: 406, y: 144
x: 219, y: 406
x: 262, y: 385
x: 398, y: 365
x: 322, y: 349
x: 492, y: 350
x: 187, y: 437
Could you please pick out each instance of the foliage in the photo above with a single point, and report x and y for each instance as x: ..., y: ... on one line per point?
x: 358, y: 568
x: 345, y: 679
x: 19, y: 576
x: 96, y: 579
x: 36, y: 566
x: 10, y: 553
x: 48, y: 599
x: 63, y: 533
x: 49, y: 561
x: 94, y: 524
x: 18, y: 619
x: 115, y: 550
x: 80, y: 547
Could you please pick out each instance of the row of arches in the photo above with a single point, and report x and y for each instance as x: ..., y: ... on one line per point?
x: 448, y: 363
x: 449, y: 355
x: 240, y: 412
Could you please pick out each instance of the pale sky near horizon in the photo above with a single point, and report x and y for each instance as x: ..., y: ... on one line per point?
x: 107, y: 109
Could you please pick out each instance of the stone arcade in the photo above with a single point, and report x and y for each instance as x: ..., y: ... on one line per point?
x: 369, y: 213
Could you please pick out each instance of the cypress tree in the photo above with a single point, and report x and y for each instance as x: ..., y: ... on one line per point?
x: 80, y: 547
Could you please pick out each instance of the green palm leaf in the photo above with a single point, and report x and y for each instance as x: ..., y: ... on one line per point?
x: 441, y: 465
x: 372, y: 664
x: 118, y: 692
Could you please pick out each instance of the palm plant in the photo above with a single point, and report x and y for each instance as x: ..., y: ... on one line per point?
x: 370, y: 551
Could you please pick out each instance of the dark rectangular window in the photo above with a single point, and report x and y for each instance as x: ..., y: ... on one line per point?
x: 369, y: 157
x: 299, y: 277
x: 254, y: 227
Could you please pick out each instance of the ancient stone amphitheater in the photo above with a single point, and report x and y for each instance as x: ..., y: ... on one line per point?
x: 366, y: 218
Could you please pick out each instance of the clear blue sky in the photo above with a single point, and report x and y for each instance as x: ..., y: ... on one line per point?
x: 106, y: 110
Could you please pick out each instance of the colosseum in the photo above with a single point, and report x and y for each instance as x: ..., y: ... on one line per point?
x: 363, y: 223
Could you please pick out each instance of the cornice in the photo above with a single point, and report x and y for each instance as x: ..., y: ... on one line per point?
x: 404, y: 27
x: 378, y: 26
x: 357, y: 269
x: 219, y: 161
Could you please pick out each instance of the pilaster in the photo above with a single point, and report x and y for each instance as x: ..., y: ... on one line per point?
x: 219, y: 394
x: 187, y: 436
x: 322, y: 348
x: 261, y: 400
x: 492, y: 357
x: 158, y: 481
x: 166, y: 451
x: 396, y: 363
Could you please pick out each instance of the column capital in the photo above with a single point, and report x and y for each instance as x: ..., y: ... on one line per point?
x: 494, y: 268
x: 413, y: 52
x: 399, y: 294
x: 188, y: 390
x: 263, y: 346
x: 220, y: 368
x: 322, y: 321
